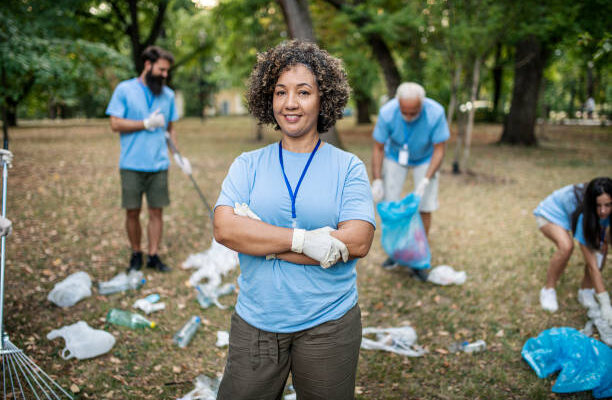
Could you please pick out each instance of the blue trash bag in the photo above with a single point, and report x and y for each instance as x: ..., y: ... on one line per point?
x: 584, y: 363
x: 403, y: 233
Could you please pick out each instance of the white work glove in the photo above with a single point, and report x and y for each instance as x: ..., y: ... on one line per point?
x: 7, y: 156
x: 319, y: 245
x: 154, y: 121
x: 604, y: 305
x: 378, y: 190
x: 420, y: 188
x: 6, y: 226
x: 244, y: 211
x: 183, y: 163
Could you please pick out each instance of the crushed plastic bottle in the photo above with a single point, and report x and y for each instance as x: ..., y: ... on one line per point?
x: 149, y: 304
x: 184, y: 335
x: 122, y: 282
x: 129, y: 319
x: 467, y: 347
x: 208, y: 295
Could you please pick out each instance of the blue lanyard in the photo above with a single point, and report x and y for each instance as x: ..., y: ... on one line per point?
x: 293, y: 194
x: 146, y: 90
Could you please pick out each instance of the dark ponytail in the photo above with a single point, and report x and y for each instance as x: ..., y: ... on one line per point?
x: 588, y: 208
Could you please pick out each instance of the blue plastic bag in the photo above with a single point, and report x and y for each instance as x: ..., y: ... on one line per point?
x: 584, y: 363
x: 403, y: 233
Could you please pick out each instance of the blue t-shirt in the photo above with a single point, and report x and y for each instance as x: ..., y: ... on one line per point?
x: 579, y: 235
x: 276, y: 295
x: 420, y: 135
x: 142, y: 150
x: 559, y: 206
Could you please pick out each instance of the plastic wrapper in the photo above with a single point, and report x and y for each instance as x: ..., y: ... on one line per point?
x: 205, y: 389
x: 445, y: 275
x: 211, y: 264
x: 71, y: 290
x: 400, y: 340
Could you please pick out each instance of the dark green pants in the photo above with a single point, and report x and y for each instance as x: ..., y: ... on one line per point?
x: 322, y: 361
x: 136, y: 183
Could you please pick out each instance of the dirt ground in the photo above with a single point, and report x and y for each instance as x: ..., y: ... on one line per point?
x: 64, y: 199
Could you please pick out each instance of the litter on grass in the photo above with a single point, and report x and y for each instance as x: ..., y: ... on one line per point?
x: 71, y: 290
x: 445, y: 275
x: 205, y: 389
x: 211, y: 264
x: 148, y: 306
x: 83, y: 341
x: 595, y: 320
x: 208, y: 295
x: 583, y: 362
x: 400, y: 340
x: 222, y: 339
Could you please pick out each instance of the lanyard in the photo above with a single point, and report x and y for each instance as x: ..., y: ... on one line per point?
x: 293, y: 194
x: 146, y: 90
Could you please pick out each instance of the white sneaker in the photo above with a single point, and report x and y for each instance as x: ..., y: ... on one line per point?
x: 586, y: 297
x: 548, y: 299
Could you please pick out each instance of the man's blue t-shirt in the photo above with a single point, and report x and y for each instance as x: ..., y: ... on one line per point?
x: 579, y: 235
x: 142, y: 150
x: 276, y: 295
x: 559, y: 206
x: 420, y: 135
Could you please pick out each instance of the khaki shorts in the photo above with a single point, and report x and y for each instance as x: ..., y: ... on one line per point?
x: 394, y: 176
x: 322, y: 360
x: 136, y: 183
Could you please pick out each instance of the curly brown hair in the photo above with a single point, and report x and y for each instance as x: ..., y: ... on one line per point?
x: 328, y: 71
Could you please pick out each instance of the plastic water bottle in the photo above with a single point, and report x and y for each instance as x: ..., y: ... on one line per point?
x: 184, y: 335
x: 207, y: 297
x: 122, y: 282
x: 474, y: 347
x: 129, y: 319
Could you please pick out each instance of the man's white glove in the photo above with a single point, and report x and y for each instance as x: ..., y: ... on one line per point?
x: 378, y: 190
x: 604, y: 305
x: 6, y: 226
x: 154, y: 121
x: 420, y: 188
x: 244, y: 211
x: 6, y: 156
x: 183, y: 163
x: 319, y: 245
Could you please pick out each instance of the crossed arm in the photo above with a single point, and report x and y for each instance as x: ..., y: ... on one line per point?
x: 257, y: 238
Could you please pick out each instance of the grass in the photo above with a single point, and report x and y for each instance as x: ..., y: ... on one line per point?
x: 64, y: 199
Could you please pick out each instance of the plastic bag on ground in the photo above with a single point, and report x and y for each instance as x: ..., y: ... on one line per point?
x: 446, y: 275
x: 222, y: 339
x: 603, y: 328
x: 72, y: 289
x: 211, y: 264
x: 400, y: 340
x: 584, y: 363
x: 83, y: 341
x: 205, y: 389
x: 403, y: 233
x: 208, y: 294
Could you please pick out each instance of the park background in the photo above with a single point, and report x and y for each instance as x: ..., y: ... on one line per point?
x: 513, y: 75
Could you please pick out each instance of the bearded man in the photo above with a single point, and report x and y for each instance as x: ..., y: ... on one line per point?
x: 141, y: 110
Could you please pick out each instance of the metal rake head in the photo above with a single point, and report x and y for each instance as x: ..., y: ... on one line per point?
x: 23, y: 379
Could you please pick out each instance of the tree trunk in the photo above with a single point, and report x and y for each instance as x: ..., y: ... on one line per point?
x: 497, y: 80
x: 529, y: 65
x: 472, y: 111
x: 299, y: 23
x: 452, y: 105
x: 363, y: 110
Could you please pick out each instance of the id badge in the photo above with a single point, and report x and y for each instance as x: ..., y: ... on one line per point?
x: 402, y: 158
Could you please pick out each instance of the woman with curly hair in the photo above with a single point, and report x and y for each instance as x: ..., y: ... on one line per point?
x: 584, y: 210
x: 300, y: 214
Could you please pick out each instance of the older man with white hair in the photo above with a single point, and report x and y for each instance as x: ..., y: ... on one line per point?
x: 410, y: 134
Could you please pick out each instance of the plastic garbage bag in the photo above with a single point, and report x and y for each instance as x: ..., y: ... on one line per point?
x: 211, y: 264
x: 603, y: 328
x: 403, y: 233
x: 400, y: 340
x: 72, y: 289
x: 205, y: 389
x: 222, y: 339
x: 584, y: 363
x: 83, y: 341
x: 446, y: 275
x: 208, y: 295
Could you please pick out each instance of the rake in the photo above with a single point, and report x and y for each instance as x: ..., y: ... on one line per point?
x: 21, y: 377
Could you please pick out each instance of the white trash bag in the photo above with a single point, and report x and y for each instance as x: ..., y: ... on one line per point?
x: 400, y: 340
x: 72, y: 289
x: 83, y: 341
x: 211, y: 264
x: 445, y: 275
x: 205, y: 389
x: 603, y: 328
